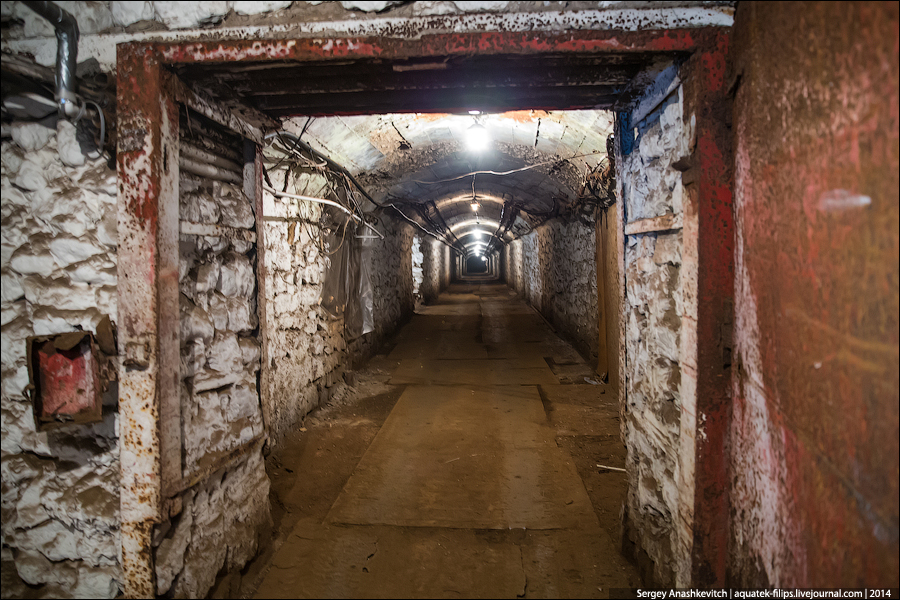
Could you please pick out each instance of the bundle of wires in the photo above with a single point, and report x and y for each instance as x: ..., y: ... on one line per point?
x: 337, y: 189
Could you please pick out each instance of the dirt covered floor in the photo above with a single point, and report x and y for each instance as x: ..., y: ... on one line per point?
x: 462, y: 461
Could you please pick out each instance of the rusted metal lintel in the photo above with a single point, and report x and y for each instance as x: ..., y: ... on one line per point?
x: 484, y: 43
x: 711, y: 230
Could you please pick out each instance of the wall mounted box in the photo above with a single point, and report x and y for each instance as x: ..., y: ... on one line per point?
x: 64, y: 384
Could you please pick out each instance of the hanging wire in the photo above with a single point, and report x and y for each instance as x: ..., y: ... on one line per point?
x: 333, y: 178
x: 340, y: 245
x: 510, y: 172
x: 80, y: 114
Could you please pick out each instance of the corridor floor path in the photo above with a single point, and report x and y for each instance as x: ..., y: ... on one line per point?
x: 465, y: 490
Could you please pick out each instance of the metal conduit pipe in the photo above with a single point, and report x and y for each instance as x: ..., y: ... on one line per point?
x: 431, y: 233
x: 196, y: 153
x: 66, y: 55
x: 204, y: 169
x: 278, y: 194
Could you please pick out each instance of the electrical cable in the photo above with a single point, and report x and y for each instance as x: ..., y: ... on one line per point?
x: 341, y: 245
x: 278, y: 194
x: 331, y: 163
x: 80, y: 114
x: 519, y: 170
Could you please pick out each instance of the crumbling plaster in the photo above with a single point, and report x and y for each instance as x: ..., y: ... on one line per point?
x: 654, y: 320
x: 59, y: 487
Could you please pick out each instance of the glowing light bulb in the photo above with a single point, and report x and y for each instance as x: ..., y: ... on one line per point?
x: 477, y: 137
x: 474, y: 206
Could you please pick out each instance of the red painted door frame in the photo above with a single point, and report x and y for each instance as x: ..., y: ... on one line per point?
x: 148, y: 236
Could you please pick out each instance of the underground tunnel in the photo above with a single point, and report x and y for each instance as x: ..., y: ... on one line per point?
x: 441, y: 298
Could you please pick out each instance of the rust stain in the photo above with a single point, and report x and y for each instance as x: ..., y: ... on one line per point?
x: 820, y: 211
x: 489, y: 42
x: 524, y: 116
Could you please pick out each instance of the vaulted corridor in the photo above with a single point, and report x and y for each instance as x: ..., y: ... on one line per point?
x: 473, y: 485
x: 410, y: 283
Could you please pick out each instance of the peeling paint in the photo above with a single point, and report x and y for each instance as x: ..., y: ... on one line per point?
x: 813, y: 433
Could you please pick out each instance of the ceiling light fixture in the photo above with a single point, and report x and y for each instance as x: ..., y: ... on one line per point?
x: 475, y: 206
x: 477, y: 137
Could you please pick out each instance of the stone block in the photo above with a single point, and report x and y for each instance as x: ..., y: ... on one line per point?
x: 241, y: 314
x: 67, y: 145
x: 30, y: 176
x: 196, y: 323
x: 95, y: 273
x: 184, y: 15
x: 42, y: 264
x: 200, y: 206
x: 236, y: 276
x: 243, y: 402
x: 193, y: 357
x: 30, y: 136
x: 250, y: 352
x: 254, y: 8
x: 92, y: 17
x: 218, y: 311
x: 68, y: 251
x: 225, y: 354
x: 129, y: 13
x: 11, y: 289
x: 170, y: 555
x: 234, y: 205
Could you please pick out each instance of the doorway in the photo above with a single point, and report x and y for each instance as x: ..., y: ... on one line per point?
x: 255, y: 75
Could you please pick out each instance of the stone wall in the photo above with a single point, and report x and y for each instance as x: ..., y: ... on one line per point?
x: 389, y: 263
x: 554, y: 268
x: 654, y: 316
x: 217, y: 530
x: 308, y: 350
x: 436, y: 268
x: 814, y: 421
x: 573, y: 304
x: 297, y: 333
x: 60, y: 501
x: 417, y: 259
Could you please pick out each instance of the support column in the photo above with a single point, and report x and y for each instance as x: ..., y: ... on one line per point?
x: 148, y: 318
x: 709, y: 247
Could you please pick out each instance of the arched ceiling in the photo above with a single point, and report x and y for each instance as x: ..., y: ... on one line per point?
x: 534, y: 163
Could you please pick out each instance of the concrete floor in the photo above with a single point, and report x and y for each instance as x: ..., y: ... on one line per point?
x: 482, y: 480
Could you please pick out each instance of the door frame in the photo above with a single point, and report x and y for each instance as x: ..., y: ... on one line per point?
x: 148, y: 319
